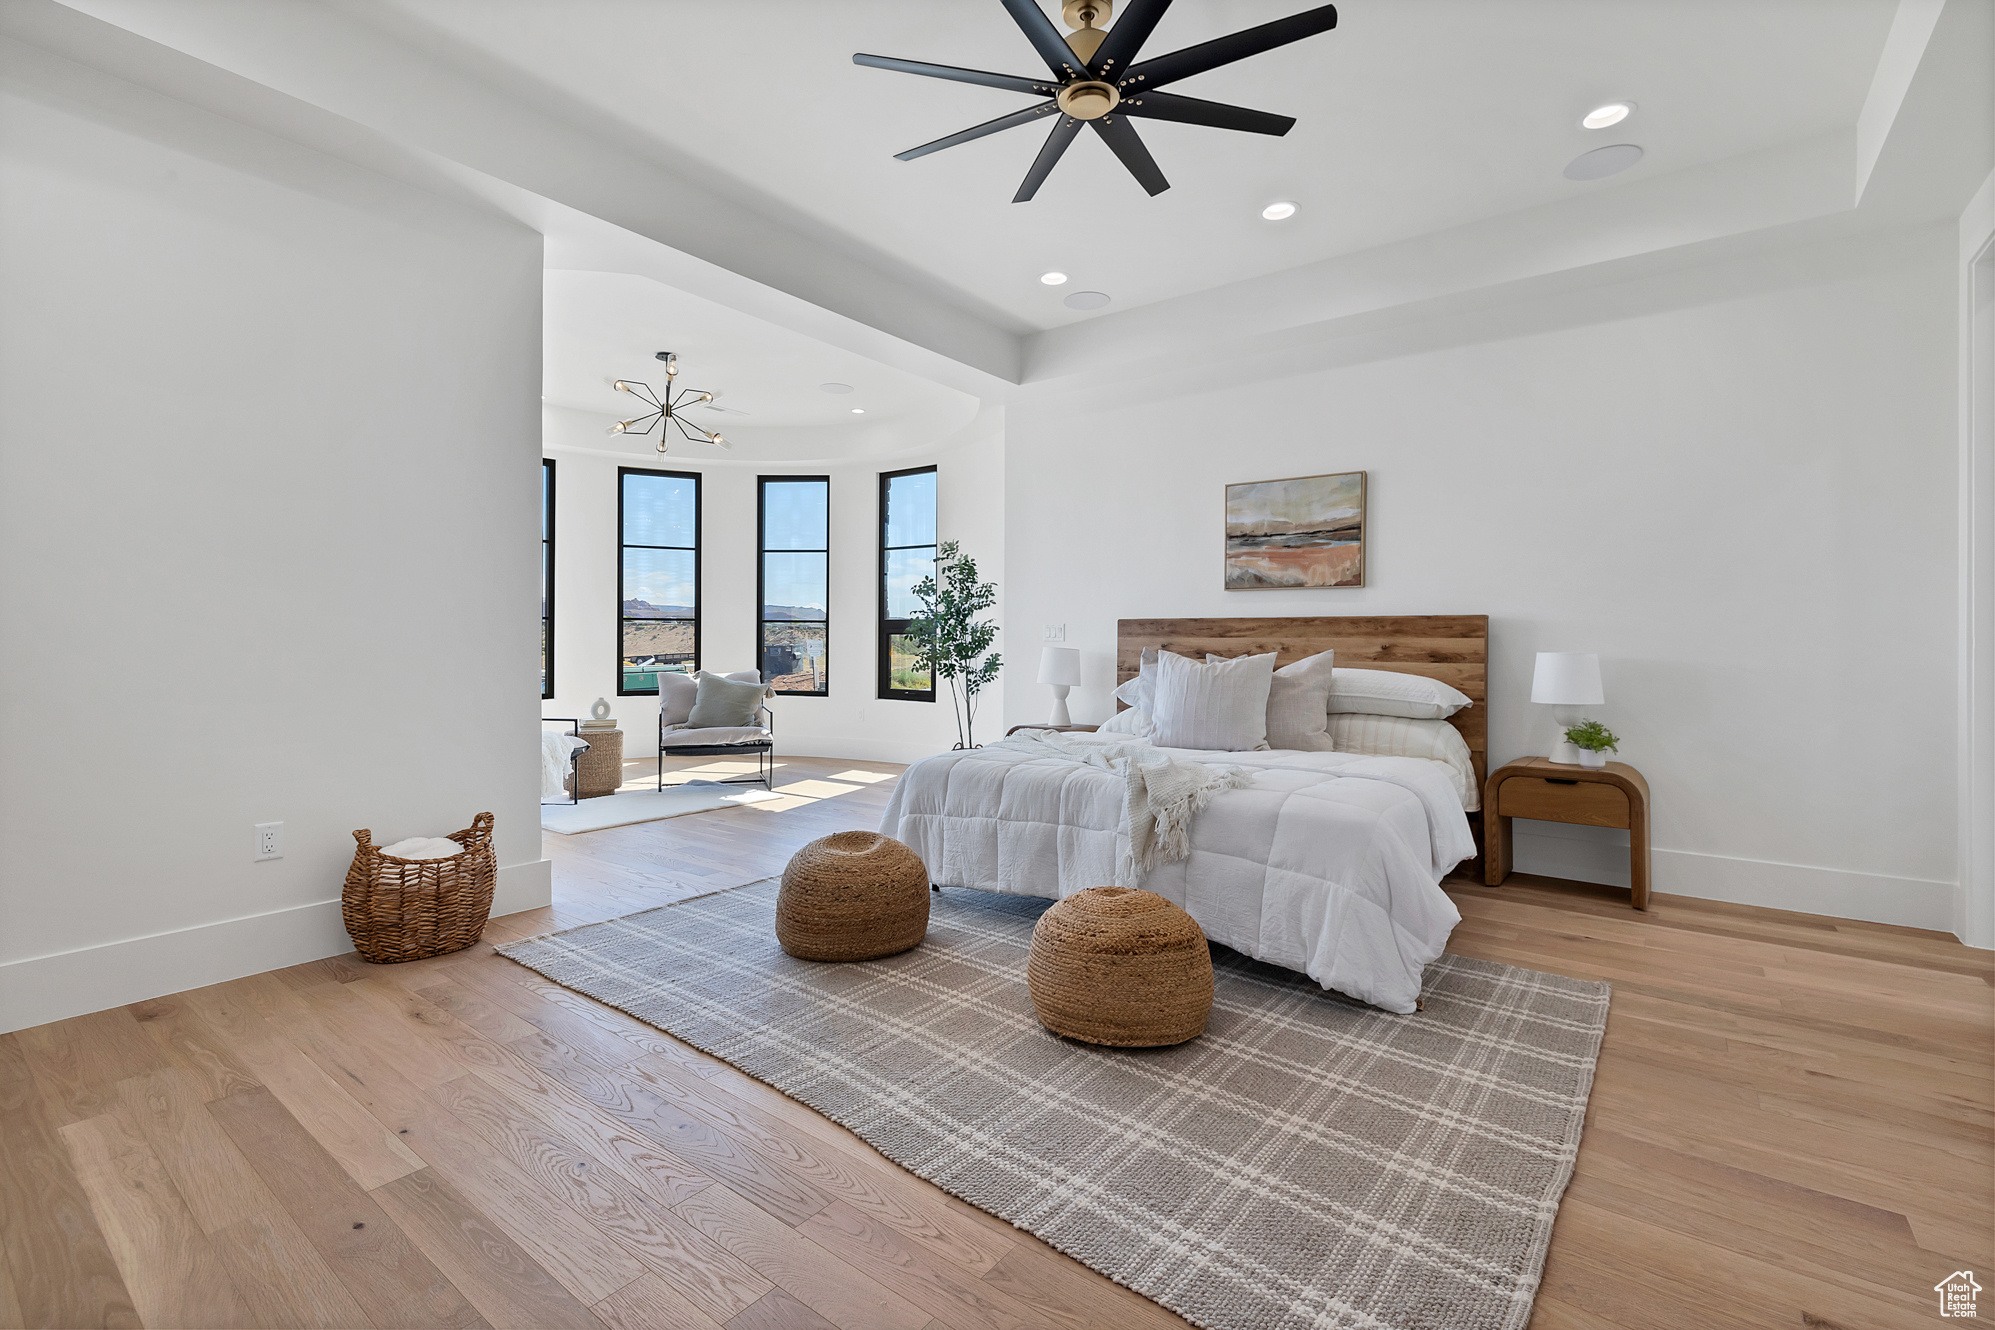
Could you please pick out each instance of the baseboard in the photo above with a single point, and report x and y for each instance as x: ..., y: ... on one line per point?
x: 1593, y: 855
x: 40, y: 989
x: 860, y: 749
x: 525, y: 886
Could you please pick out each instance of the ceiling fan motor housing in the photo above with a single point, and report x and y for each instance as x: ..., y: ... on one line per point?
x: 1088, y: 100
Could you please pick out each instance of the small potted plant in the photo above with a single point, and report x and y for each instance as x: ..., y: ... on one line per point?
x: 1594, y: 742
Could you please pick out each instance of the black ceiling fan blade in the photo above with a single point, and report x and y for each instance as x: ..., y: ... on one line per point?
x: 1234, y: 46
x: 1195, y: 111
x: 1009, y: 82
x: 1042, y: 165
x: 1122, y: 138
x: 1126, y: 37
x: 1045, y: 38
x: 1016, y: 118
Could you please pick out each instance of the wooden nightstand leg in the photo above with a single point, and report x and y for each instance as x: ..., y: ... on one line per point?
x: 1638, y: 855
x: 1496, y: 852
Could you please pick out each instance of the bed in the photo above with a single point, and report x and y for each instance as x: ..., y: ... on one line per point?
x: 1327, y: 863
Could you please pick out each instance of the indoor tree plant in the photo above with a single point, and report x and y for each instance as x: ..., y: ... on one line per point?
x: 1594, y: 741
x: 948, y: 638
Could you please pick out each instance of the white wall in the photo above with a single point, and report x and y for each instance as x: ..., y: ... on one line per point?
x: 1736, y: 485
x: 268, y: 431
x: 853, y: 722
x: 1974, y: 907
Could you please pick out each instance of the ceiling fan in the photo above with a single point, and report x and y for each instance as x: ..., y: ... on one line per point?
x: 1097, y: 79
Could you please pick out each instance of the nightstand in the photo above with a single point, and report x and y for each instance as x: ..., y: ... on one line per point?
x: 1064, y: 729
x: 1537, y: 787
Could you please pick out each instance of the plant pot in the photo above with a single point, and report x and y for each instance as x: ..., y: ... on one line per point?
x: 1590, y: 758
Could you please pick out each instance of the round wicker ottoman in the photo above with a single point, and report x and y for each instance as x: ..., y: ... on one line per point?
x: 1118, y: 966
x: 852, y: 896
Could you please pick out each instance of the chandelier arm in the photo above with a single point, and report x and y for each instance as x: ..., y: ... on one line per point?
x: 665, y: 409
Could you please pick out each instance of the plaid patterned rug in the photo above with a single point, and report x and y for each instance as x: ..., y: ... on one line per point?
x: 1308, y: 1161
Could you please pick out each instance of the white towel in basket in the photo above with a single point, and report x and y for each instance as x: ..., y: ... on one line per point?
x: 423, y: 847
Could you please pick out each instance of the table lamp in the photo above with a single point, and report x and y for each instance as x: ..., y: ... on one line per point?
x: 1061, y: 667
x: 1567, y: 680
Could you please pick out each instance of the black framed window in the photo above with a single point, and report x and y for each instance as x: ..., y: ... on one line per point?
x: 907, y: 554
x: 793, y: 583
x: 547, y: 577
x: 658, y: 576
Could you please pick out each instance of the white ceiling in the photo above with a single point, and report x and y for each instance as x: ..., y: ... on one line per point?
x: 1414, y: 116
x: 602, y: 326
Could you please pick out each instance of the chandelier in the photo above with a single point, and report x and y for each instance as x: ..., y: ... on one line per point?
x: 665, y: 410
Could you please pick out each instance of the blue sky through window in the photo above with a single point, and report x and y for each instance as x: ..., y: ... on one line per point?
x: 795, y: 517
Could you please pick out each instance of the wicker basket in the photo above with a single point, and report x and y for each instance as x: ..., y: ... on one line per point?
x: 409, y: 909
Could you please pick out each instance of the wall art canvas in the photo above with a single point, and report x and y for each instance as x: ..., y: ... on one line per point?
x: 1307, y: 531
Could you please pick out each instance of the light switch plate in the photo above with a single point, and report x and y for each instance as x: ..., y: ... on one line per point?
x: 1056, y: 632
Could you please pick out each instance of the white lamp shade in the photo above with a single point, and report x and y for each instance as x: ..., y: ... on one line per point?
x: 1567, y: 678
x: 1060, y: 665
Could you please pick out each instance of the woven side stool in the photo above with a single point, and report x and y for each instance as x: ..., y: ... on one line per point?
x: 1118, y: 966
x: 852, y: 896
x: 599, y: 767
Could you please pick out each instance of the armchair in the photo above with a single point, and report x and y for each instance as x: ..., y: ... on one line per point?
x: 677, y: 737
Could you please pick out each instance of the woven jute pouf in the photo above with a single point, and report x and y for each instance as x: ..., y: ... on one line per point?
x: 852, y: 896
x: 1118, y: 966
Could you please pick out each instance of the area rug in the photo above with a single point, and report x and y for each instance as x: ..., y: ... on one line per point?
x: 1308, y: 1161
x: 621, y: 810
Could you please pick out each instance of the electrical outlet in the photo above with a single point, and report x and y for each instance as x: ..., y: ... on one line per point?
x: 1056, y: 632
x: 269, y: 840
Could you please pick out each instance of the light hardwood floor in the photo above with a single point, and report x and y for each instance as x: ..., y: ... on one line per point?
x: 1790, y: 1127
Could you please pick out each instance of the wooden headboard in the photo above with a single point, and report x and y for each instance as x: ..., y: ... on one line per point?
x: 1453, y: 648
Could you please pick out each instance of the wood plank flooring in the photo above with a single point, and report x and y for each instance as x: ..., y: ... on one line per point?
x: 1791, y: 1126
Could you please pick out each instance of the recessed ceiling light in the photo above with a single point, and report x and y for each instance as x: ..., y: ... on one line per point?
x: 858, y: 410
x: 1053, y: 278
x: 835, y: 387
x: 1085, y: 300
x: 1279, y: 210
x: 1603, y: 161
x: 1600, y: 117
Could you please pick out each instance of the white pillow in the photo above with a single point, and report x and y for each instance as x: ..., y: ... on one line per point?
x: 1297, y: 704
x: 1222, y: 707
x: 1402, y: 736
x: 676, y: 694
x: 1391, y: 693
x: 1134, y: 722
x: 1140, y: 691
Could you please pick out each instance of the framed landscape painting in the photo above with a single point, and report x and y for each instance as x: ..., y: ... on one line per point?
x: 1307, y: 531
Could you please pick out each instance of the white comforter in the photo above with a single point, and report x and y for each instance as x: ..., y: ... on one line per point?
x: 1327, y: 863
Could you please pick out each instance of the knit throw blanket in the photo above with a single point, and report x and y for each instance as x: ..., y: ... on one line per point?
x: 1161, y: 793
